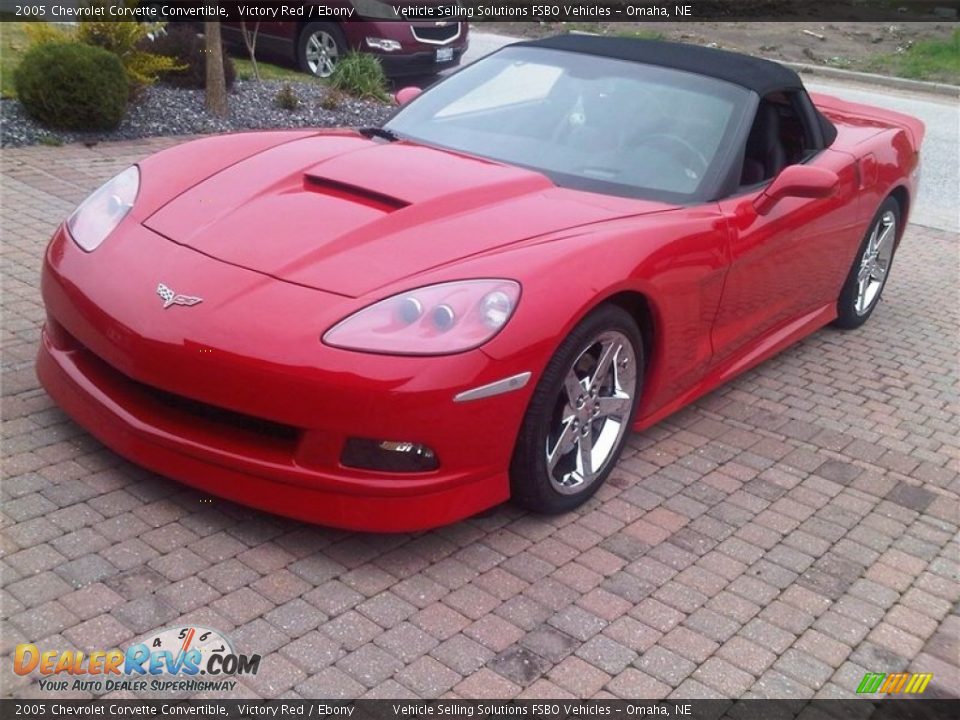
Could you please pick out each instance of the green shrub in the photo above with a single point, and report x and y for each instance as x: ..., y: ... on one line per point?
x: 72, y: 86
x: 182, y: 43
x: 331, y: 100
x: 50, y: 140
x: 360, y: 74
x: 44, y: 32
x: 126, y: 41
x: 287, y: 98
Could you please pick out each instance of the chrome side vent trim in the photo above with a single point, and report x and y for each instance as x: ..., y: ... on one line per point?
x: 499, y: 387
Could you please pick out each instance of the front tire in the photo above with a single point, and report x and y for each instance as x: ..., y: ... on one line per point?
x: 321, y: 46
x: 861, y: 291
x: 580, y: 414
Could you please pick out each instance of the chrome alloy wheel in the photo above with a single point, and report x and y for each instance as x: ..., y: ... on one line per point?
x: 322, y: 53
x: 875, y: 262
x: 592, y: 412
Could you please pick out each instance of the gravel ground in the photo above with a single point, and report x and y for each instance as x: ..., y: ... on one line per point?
x: 165, y: 110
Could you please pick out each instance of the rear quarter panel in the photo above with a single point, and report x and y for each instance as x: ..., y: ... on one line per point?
x: 885, y: 146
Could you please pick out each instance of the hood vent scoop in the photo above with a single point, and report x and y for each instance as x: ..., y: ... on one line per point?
x: 351, y: 193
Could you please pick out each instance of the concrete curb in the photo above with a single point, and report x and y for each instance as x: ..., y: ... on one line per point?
x: 871, y: 79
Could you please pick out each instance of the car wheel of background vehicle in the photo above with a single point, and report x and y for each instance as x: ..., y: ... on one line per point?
x: 580, y: 414
x: 871, y: 268
x: 320, y: 47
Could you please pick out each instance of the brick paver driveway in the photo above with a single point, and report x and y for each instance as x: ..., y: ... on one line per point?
x: 786, y: 535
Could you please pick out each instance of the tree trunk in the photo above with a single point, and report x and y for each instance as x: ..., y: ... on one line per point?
x: 216, y: 83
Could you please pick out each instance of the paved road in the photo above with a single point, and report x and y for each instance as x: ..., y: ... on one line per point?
x: 936, y: 205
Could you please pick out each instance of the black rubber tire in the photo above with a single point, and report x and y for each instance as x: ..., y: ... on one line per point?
x: 847, y: 316
x: 529, y: 479
x: 310, y: 28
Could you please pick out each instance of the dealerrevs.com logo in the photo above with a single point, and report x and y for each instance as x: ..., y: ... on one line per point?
x: 189, y: 659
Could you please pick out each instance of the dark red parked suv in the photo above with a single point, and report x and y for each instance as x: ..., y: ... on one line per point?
x: 404, y: 47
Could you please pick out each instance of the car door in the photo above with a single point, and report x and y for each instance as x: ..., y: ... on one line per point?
x: 791, y: 261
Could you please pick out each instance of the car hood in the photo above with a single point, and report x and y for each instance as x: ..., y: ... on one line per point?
x: 344, y: 214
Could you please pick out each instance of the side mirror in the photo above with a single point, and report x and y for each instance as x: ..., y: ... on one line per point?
x: 797, y: 181
x: 405, y: 95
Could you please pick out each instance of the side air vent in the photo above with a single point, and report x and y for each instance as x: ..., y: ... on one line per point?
x: 354, y: 194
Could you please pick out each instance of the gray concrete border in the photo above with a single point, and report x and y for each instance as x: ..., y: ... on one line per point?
x: 889, y: 81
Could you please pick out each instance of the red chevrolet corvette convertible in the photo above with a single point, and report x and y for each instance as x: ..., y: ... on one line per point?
x: 394, y: 328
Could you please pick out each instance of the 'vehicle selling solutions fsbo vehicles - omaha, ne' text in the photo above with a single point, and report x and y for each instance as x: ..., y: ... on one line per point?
x: 394, y: 328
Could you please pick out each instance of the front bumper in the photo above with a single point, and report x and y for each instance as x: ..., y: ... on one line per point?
x: 418, y: 63
x: 186, y: 393
x: 420, y: 43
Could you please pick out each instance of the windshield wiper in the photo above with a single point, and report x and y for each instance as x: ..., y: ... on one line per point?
x: 371, y: 132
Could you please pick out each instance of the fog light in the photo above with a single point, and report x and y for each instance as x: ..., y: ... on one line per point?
x: 388, y: 455
x: 383, y: 44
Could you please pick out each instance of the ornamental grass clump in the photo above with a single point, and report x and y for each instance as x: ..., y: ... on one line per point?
x: 360, y: 74
x: 287, y: 98
x: 127, y: 40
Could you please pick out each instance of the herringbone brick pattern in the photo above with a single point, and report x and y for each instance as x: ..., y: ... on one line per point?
x: 787, y: 534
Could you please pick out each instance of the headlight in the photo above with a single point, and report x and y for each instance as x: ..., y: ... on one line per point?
x: 100, y: 213
x: 383, y: 44
x: 434, y: 320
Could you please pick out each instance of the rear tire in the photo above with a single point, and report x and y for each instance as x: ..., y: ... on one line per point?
x: 580, y: 414
x: 868, y: 275
x: 320, y: 47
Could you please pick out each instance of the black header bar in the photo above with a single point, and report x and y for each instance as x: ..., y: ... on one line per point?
x: 883, y: 709
x: 584, y: 11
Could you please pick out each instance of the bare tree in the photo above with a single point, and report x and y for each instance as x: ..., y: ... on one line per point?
x: 250, y: 40
x: 216, y: 82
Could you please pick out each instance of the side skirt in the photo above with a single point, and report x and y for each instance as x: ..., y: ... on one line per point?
x: 764, y: 348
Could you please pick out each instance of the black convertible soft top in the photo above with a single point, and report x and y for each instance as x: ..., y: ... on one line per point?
x: 761, y: 76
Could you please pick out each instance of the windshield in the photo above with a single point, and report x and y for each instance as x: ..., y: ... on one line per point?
x: 588, y: 122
